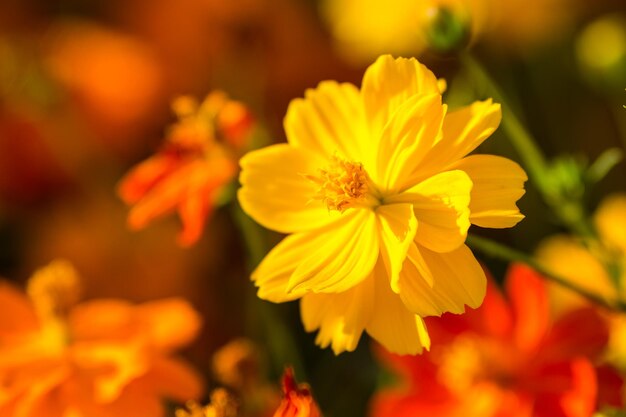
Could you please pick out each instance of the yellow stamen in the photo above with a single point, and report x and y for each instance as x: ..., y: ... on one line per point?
x: 459, y: 364
x: 54, y: 289
x: 344, y: 184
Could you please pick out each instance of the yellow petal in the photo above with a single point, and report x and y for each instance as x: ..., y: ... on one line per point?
x: 329, y: 121
x: 498, y: 184
x: 275, y: 193
x: 458, y: 280
x: 463, y: 131
x: 397, y: 226
x: 566, y: 257
x: 392, y: 324
x: 388, y: 83
x: 441, y: 206
x: 340, y: 318
x: 341, y: 257
x: 407, y: 137
x: 610, y: 220
x: 273, y: 273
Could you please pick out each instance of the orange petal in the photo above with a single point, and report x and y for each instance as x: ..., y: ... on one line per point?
x: 105, y: 318
x: 163, y: 197
x: 170, y: 323
x: 145, y: 176
x: 18, y: 315
x: 174, y: 379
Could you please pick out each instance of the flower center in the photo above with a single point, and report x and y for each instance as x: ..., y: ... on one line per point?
x: 469, y: 360
x: 344, y: 184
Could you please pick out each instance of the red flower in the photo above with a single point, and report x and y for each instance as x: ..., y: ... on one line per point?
x: 506, y: 359
x: 297, y: 400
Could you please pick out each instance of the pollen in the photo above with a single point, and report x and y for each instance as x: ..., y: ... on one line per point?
x: 343, y: 184
x: 54, y: 289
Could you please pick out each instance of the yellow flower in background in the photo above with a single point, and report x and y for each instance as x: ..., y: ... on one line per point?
x: 377, y: 191
x: 222, y: 404
x: 598, y: 267
x: 191, y: 171
x: 364, y: 29
x: 101, y: 358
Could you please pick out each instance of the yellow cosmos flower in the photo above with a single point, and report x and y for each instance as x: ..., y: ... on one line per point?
x: 367, y: 28
x: 375, y: 187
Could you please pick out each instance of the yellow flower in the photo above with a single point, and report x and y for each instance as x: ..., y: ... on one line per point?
x: 378, y: 194
x: 367, y: 28
x: 222, y: 404
x: 598, y: 267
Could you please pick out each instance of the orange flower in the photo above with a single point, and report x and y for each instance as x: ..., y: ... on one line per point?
x: 190, y: 172
x: 506, y: 359
x: 101, y: 358
x: 297, y: 400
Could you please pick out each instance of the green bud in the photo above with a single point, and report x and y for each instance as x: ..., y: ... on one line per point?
x: 445, y: 30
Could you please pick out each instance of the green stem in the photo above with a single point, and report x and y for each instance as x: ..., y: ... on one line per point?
x: 497, y: 250
x: 279, y: 339
x: 519, y: 136
x: 571, y: 213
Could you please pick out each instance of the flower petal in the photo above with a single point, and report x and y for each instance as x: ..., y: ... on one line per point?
x: 341, y: 257
x: 497, y: 184
x: 123, y: 362
x: 275, y: 270
x: 441, y: 208
x: 194, y: 211
x: 330, y: 120
x: 463, y: 131
x: 18, y: 314
x: 556, y: 254
x: 392, y: 324
x: 610, y: 220
x: 146, y: 175
x: 162, y: 198
x: 406, y: 139
x: 529, y: 301
x: 173, y: 379
x: 276, y: 194
x: 397, y: 226
x: 340, y: 318
x: 388, y: 83
x: 170, y: 323
x: 458, y: 280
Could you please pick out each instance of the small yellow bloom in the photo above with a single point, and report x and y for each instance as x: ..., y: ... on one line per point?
x: 367, y: 28
x: 598, y: 267
x: 222, y: 404
x: 377, y: 191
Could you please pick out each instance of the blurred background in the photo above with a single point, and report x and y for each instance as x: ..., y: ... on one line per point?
x: 85, y: 92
